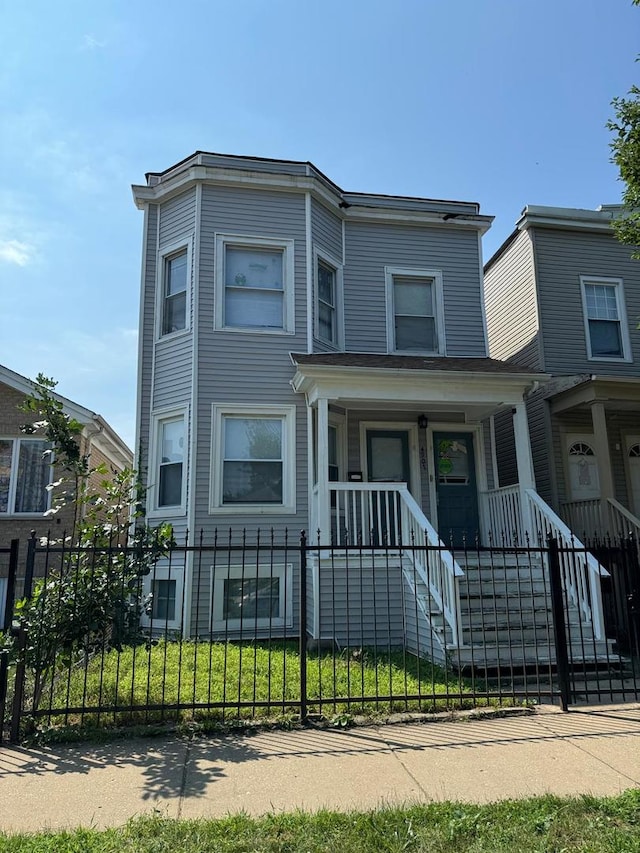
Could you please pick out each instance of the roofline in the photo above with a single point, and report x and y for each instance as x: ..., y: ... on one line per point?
x: 85, y: 416
x: 468, y: 212
x: 566, y: 218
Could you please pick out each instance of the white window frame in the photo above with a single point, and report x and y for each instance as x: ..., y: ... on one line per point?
x: 165, y: 573
x: 13, y: 480
x: 164, y: 254
x: 288, y: 416
x: 391, y: 273
x: 241, y: 241
x: 219, y: 574
x: 622, y: 317
x: 157, y: 419
x: 320, y: 256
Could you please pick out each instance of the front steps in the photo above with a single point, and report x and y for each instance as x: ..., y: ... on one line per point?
x: 507, y: 621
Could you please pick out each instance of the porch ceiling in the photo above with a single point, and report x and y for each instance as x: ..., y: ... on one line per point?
x: 614, y: 392
x: 480, y: 385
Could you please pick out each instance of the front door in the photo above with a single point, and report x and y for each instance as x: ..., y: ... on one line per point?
x: 387, y: 462
x: 456, y: 490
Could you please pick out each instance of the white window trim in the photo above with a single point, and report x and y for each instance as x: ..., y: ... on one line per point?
x: 164, y: 573
x: 164, y: 253
x: 321, y: 255
x: 220, y: 574
x: 13, y: 481
x: 622, y: 317
x: 157, y: 418
x: 288, y: 281
x: 411, y: 272
x: 339, y: 421
x: 288, y: 415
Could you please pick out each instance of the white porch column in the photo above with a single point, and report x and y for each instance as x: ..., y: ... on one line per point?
x: 323, y: 470
x: 526, y: 476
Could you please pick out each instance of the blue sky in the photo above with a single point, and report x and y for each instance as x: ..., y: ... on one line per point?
x: 502, y: 102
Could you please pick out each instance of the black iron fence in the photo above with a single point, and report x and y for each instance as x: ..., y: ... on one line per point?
x: 243, y: 628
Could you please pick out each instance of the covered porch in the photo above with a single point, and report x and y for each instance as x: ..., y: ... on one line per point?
x: 595, y: 424
x: 401, y: 448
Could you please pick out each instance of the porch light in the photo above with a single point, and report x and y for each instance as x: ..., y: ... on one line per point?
x: 423, y: 421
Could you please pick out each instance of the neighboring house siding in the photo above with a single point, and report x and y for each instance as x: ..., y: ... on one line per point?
x: 372, y: 246
x: 512, y: 313
x: 244, y: 367
x: 540, y: 437
x: 561, y: 258
x: 505, y: 449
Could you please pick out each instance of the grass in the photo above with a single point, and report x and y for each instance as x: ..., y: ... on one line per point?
x: 541, y: 825
x: 191, y: 673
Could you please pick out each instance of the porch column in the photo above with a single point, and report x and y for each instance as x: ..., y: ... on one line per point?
x: 603, y: 457
x: 524, y: 460
x: 323, y: 470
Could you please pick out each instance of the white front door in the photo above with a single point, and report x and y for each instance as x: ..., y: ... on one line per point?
x: 582, y: 466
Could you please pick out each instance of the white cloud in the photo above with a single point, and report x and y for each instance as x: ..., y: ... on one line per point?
x: 16, y: 252
x: 90, y: 42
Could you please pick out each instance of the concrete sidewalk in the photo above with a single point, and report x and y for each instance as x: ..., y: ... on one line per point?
x: 594, y: 751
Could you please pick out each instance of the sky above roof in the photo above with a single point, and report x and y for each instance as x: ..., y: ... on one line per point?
x: 494, y: 101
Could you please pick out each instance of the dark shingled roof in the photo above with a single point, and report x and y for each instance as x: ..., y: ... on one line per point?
x: 408, y: 362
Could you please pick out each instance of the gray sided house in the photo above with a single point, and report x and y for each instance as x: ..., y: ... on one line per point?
x: 317, y: 359
x: 563, y: 297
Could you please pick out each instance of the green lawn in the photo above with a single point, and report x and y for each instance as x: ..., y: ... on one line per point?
x: 542, y: 825
x: 190, y: 673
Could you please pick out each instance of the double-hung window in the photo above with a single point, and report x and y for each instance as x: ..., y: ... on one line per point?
x: 328, y: 298
x: 174, y: 265
x: 253, y: 458
x: 415, y: 318
x: 255, y: 284
x: 25, y: 472
x: 169, y: 463
x: 605, y: 320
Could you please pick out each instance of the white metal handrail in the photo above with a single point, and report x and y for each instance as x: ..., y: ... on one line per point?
x: 581, y: 572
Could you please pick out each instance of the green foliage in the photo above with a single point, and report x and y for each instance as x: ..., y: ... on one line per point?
x: 91, y: 596
x: 625, y: 149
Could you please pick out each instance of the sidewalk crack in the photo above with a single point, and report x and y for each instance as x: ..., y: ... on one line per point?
x: 579, y: 746
x: 396, y: 754
x: 183, y: 782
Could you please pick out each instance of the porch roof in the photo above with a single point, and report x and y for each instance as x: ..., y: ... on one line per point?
x: 580, y: 390
x: 407, y: 378
x: 385, y: 361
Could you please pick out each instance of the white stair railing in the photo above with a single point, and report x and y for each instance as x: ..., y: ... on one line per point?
x: 503, y: 516
x: 580, y: 570
x: 435, y: 565
x: 623, y: 522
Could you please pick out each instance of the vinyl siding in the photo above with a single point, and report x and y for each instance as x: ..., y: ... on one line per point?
x: 242, y: 367
x: 505, y: 449
x: 147, y: 331
x: 326, y: 235
x: 510, y: 299
x: 561, y: 258
x: 361, y: 604
x: 177, y: 218
x: 540, y: 437
x: 372, y: 246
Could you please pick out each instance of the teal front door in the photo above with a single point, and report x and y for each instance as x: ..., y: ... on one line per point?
x: 456, y: 489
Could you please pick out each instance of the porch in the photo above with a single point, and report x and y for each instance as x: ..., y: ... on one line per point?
x: 595, y: 425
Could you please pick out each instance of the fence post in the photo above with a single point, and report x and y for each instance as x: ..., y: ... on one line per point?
x: 6, y: 627
x: 559, y: 624
x: 302, y: 619
x: 29, y: 565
